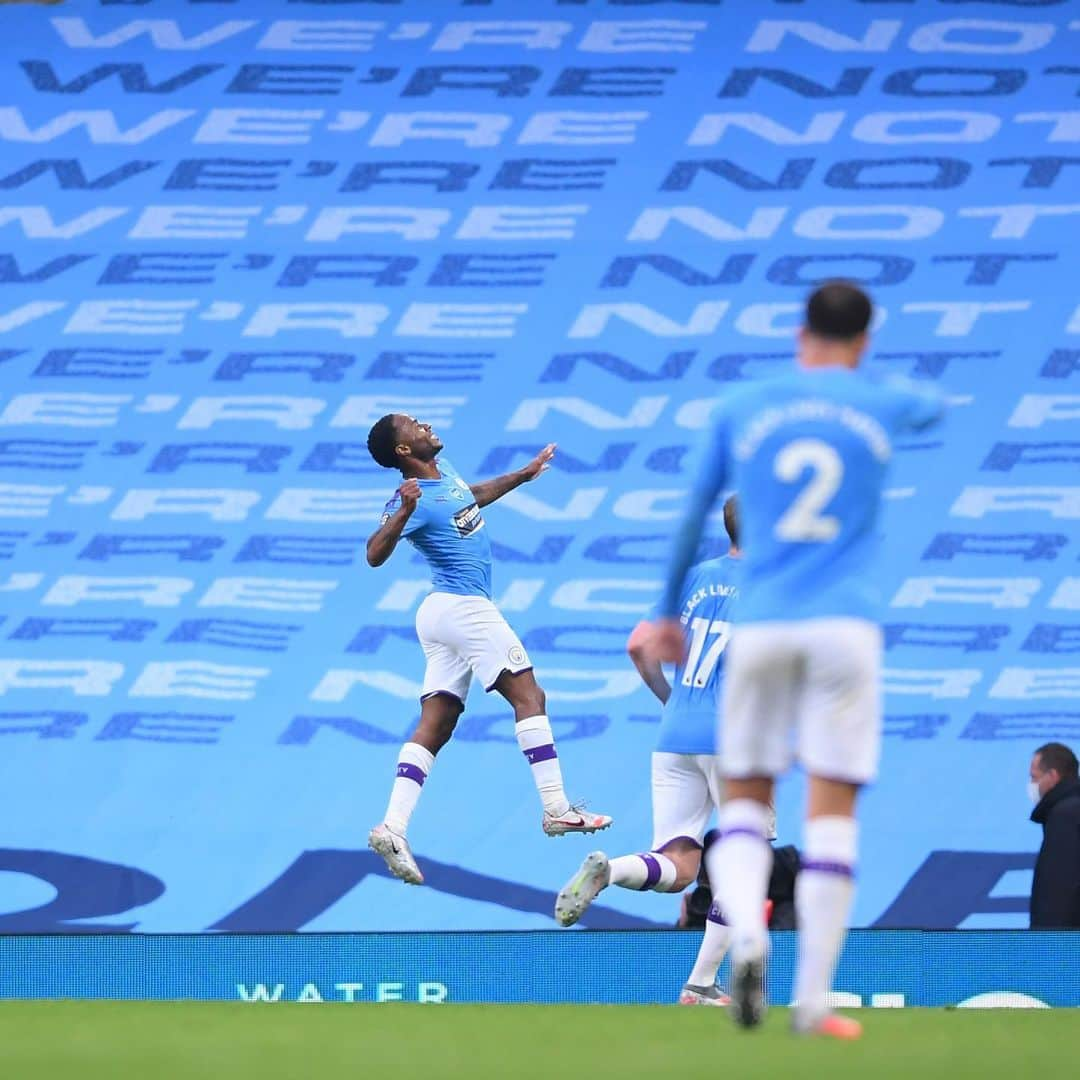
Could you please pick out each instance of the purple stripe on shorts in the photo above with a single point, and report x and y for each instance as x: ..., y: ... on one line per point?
x: 411, y: 772
x: 716, y: 915
x: 667, y: 843
x: 541, y: 753
x: 445, y: 693
x: 821, y: 866
x: 516, y: 671
x: 652, y: 870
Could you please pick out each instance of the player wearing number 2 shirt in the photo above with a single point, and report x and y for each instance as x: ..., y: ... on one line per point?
x: 808, y: 451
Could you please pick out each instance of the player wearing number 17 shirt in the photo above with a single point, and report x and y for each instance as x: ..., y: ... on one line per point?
x: 686, y: 780
x: 808, y: 451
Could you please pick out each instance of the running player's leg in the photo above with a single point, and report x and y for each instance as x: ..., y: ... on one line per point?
x: 681, y: 807
x: 839, y: 744
x: 761, y: 676
x: 485, y: 640
x: 700, y: 987
x: 717, y: 936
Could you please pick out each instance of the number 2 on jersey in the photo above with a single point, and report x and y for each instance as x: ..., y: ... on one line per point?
x: 803, y: 521
x: 700, y: 663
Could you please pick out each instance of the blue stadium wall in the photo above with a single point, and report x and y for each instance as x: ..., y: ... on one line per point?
x: 232, y: 234
x: 881, y: 969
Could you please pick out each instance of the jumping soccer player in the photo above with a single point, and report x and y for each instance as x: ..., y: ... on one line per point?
x: 685, y: 767
x: 461, y: 631
x: 808, y: 450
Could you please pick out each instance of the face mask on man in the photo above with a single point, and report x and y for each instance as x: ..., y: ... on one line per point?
x: 1034, y: 794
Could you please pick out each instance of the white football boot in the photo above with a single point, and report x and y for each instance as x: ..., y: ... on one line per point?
x: 574, y: 820
x: 703, y: 995
x: 395, y: 850
x: 582, y: 889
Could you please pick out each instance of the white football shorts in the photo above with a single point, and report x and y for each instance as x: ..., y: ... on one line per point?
x: 685, y: 790
x: 812, y: 688
x: 463, y: 635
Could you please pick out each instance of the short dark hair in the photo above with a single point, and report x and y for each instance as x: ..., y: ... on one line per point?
x: 731, y: 519
x: 1057, y: 756
x: 382, y: 441
x: 838, y: 311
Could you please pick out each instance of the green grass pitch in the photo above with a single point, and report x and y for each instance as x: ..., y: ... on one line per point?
x: 103, y: 1040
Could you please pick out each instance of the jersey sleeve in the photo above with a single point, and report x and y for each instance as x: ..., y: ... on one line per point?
x: 416, y: 518
x: 917, y: 407
x: 711, y: 476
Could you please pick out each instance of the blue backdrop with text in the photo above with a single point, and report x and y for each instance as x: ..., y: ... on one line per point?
x: 234, y: 234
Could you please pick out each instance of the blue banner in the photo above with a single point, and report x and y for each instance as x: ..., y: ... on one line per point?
x: 878, y: 969
x: 232, y: 235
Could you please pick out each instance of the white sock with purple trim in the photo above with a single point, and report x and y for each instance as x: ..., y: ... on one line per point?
x: 649, y: 870
x: 414, y: 764
x: 739, y: 864
x: 823, y: 893
x: 538, y: 745
x: 714, y: 947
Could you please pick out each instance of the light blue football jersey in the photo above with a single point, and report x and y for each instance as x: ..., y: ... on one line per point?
x: 807, y: 454
x: 448, y: 530
x: 688, y: 722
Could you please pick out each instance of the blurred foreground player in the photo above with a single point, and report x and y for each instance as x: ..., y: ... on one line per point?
x: 460, y: 629
x: 808, y: 450
x: 686, y: 777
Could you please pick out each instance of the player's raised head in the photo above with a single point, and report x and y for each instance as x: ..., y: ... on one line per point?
x: 731, y: 519
x: 382, y: 440
x: 836, y: 323
x: 395, y: 438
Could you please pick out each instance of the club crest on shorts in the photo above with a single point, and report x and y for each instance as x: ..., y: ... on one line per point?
x: 516, y: 655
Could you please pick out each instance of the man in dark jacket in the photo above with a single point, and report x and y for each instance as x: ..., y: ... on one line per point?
x: 1055, y: 787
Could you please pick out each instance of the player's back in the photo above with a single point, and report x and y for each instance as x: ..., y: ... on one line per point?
x: 808, y: 453
x: 689, y: 718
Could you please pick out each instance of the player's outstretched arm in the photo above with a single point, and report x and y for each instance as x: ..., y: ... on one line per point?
x: 487, y: 491
x: 383, y: 540
x: 648, y: 667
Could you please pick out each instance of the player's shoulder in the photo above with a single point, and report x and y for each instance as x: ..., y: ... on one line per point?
x: 723, y: 570
x: 901, y: 400
x: 751, y: 397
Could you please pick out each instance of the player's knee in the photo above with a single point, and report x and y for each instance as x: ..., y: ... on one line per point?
x: 438, y: 719
x: 527, y: 699
x: 683, y: 878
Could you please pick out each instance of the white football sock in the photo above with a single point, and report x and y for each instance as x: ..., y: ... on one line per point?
x: 823, y: 892
x: 714, y: 946
x: 739, y: 864
x: 414, y: 764
x: 538, y: 745
x: 649, y: 870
